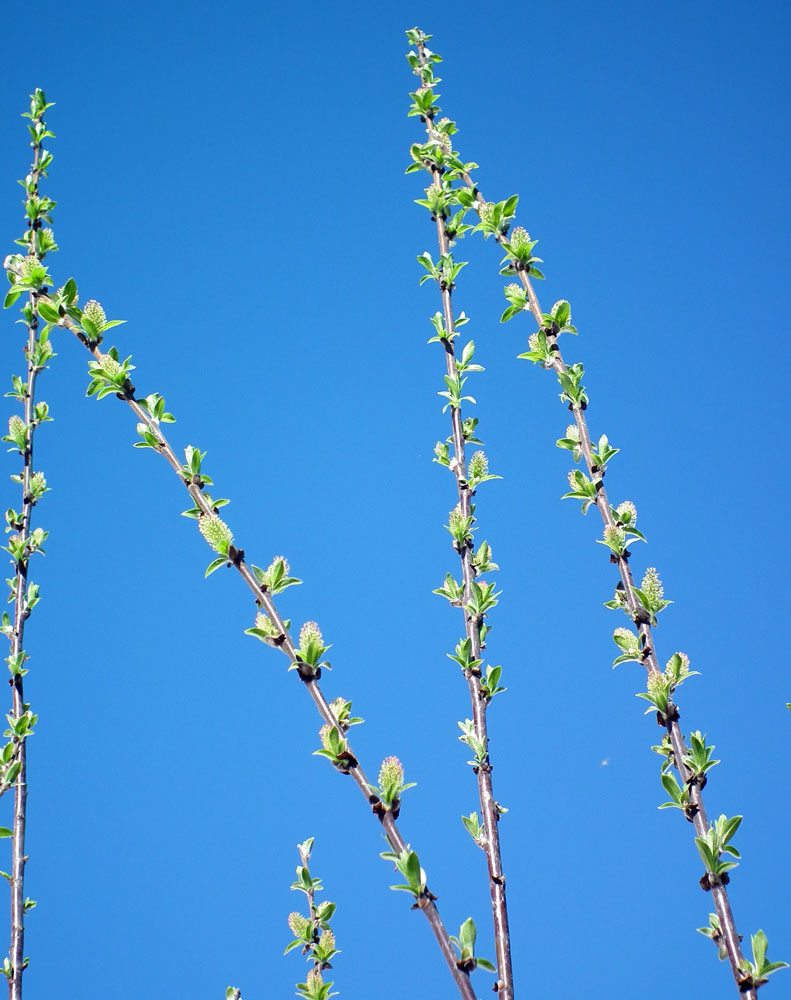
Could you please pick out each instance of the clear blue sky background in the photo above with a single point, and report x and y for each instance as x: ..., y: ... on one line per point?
x: 230, y: 181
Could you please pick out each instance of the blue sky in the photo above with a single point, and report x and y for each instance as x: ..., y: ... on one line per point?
x: 230, y: 180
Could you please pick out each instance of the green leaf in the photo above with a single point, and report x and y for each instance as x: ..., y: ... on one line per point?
x: 11, y: 296
x: 5, y: 832
x: 88, y: 326
x: 412, y: 869
x: 49, y: 312
x: 472, y: 825
x: 562, y: 311
x: 510, y: 205
x: 467, y: 935
x: 510, y: 312
x: 760, y: 944
x: 215, y: 565
x: 672, y: 788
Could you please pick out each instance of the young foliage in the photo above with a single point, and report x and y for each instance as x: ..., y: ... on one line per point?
x: 312, y: 932
x: 449, y: 199
x: 643, y: 604
x: 110, y: 377
x: 475, y: 597
x: 28, y: 276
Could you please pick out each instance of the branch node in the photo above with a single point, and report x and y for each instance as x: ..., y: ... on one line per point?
x: 306, y: 671
x: 710, y: 881
x: 345, y: 761
x: 690, y: 811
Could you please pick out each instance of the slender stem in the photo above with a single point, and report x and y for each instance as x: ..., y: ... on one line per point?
x: 16, y: 952
x: 304, y: 858
x: 265, y: 600
x: 490, y: 812
x: 680, y: 750
x: 650, y: 660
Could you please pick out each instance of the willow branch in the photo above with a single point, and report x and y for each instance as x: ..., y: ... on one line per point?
x: 494, y: 219
x: 23, y: 543
x: 698, y: 817
x: 312, y: 934
x: 309, y: 676
x: 680, y: 750
x: 16, y: 951
x: 479, y: 698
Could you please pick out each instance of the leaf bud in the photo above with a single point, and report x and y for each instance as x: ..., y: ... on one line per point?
x: 273, y: 564
x: 216, y: 532
x: 652, y: 586
x: 265, y: 623
x: 456, y: 520
x: 315, y: 983
x: 16, y: 426
x: 109, y: 367
x: 327, y: 940
x: 478, y: 466
x: 93, y: 311
x: 310, y: 632
x: 519, y: 238
x: 338, y: 708
x: 486, y: 212
x: 628, y: 639
x: 298, y: 924
x: 28, y: 267
x: 47, y: 241
x: 38, y: 484
x: 677, y: 668
x: 391, y: 779
x: 442, y: 139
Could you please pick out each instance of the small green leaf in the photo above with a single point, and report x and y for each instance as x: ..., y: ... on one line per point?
x: 49, y: 312
x: 215, y: 565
